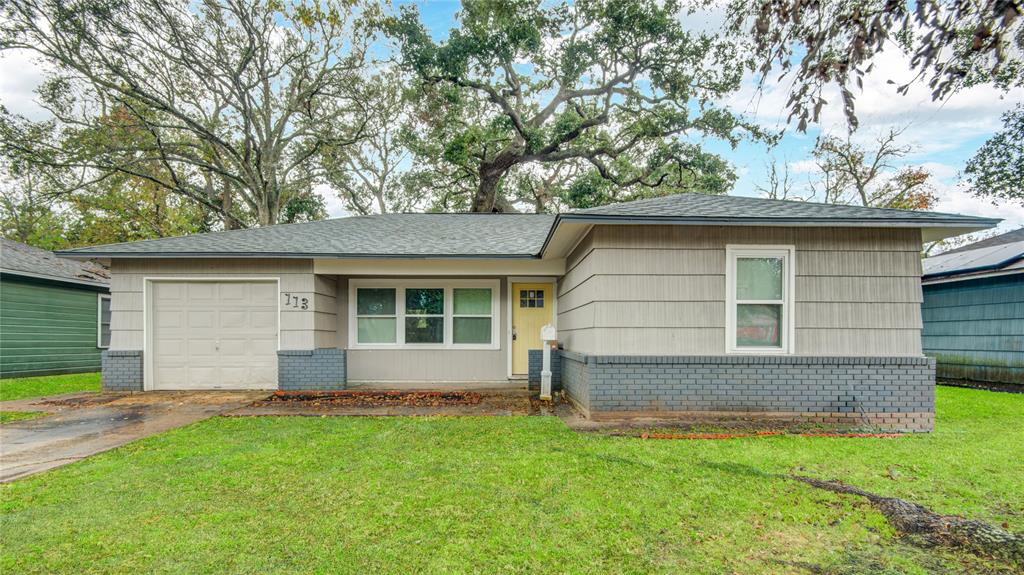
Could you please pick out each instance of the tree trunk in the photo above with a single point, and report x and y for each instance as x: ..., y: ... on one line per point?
x: 225, y: 204
x: 485, y: 199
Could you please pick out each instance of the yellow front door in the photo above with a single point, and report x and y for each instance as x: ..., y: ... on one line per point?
x: 531, y: 310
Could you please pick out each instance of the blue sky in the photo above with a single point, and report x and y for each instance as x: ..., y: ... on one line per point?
x: 944, y: 135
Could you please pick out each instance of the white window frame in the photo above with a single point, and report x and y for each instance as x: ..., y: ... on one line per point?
x: 788, y: 255
x: 449, y: 307
x: 99, y: 320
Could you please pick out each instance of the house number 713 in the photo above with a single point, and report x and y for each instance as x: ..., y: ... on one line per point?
x: 296, y: 302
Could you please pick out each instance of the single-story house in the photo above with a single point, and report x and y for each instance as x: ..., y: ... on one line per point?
x: 686, y: 304
x: 973, y: 310
x: 54, y: 312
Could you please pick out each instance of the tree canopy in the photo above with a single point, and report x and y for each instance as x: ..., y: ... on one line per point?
x: 225, y: 103
x: 996, y: 172
x: 950, y: 45
x: 617, y: 87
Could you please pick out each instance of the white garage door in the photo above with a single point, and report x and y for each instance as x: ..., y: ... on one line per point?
x: 214, y: 335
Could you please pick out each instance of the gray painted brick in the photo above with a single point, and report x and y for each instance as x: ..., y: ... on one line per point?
x: 121, y: 370
x: 311, y: 369
x: 862, y: 387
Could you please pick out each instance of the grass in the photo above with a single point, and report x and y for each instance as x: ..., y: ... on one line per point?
x: 509, y: 495
x: 29, y: 387
x: 9, y: 416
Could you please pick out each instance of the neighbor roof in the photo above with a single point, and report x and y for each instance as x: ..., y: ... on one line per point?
x: 508, y: 235
x: 24, y: 260
x: 390, y: 235
x: 984, y: 257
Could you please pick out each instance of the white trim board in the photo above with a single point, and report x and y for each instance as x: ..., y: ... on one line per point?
x: 788, y: 255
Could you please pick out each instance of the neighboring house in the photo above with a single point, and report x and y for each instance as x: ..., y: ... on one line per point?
x: 54, y: 313
x: 687, y: 304
x: 973, y: 310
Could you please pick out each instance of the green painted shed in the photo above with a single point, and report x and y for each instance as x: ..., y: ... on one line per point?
x: 973, y: 310
x: 54, y: 313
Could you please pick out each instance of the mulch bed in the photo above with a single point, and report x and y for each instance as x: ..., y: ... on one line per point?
x: 355, y: 398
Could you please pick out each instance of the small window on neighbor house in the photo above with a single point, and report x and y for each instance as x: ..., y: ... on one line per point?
x: 103, y: 328
x: 760, y: 295
x: 531, y: 298
x: 375, y: 315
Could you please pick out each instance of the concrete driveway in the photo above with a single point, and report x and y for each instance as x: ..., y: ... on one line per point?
x: 86, y: 424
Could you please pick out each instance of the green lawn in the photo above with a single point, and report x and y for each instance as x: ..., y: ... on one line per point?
x: 26, y: 387
x: 508, y: 495
x: 9, y: 416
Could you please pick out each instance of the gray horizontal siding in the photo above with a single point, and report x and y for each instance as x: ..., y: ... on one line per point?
x: 661, y: 289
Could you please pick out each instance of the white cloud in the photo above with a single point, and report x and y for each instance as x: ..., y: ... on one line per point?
x: 931, y: 127
x: 335, y: 207
x: 21, y: 72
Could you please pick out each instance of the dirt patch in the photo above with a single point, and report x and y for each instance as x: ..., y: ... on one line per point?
x: 986, y: 385
x: 933, y: 529
x: 374, y: 398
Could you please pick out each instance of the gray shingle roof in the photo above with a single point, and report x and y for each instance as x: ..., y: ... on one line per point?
x: 742, y: 208
x: 20, y: 259
x: 412, y: 235
x: 504, y: 235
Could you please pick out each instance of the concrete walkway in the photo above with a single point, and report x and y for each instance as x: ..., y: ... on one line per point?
x: 85, y: 424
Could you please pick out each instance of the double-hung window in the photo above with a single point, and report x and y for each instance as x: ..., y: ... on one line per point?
x: 456, y: 314
x: 759, y: 281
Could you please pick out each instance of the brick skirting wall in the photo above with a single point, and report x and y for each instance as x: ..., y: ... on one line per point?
x: 311, y: 369
x: 893, y: 393
x: 536, y: 363
x: 121, y: 370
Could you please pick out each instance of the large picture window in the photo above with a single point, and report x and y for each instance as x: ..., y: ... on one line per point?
x: 423, y: 313
x: 760, y: 295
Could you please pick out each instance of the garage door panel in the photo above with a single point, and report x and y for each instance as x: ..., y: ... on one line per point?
x: 200, y: 292
x: 229, y: 338
x: 168, y: 291
x: 234, y: 348
x: 263, y: 347
x: 168, y: 319
x: 264, y: 292
x: 201, y: 319
x: 263, y: 319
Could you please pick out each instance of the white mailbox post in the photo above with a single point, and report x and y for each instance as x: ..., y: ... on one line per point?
x: 548, y: 334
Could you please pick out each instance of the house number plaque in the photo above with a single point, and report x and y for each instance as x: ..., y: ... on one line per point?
x: 296, y: 302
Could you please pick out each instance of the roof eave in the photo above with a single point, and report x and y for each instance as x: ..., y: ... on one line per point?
x: 981, y: 223
x: 80, y: 255
x: 52, y: 278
